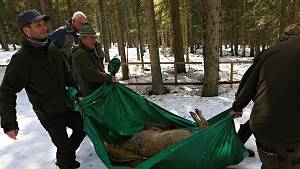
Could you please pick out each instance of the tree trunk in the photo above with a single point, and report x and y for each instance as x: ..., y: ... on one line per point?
x: 243, y: 30
x: 195, y: 19
x: 69, y: 8
x: 44, y: 6
x: 56, y: 9
x: 139, y: 45
x: 171, y: 39
x: 125, y: 21
x: 11, y: 35
x: 177, y: 36
x: 112, y: 28
x: 236, y: 48
x: 252, y: 51
x: 257, y: 43
x: 46, y: 11
x: 164, y: 50
x: 236, y: 33
x: 231, y: 49
x: 3, y: 40
x: 105, y: 36
x: 120, y: 39
x: 99, y: 22
x: 192, y: 40
x: 293, y: 15
x: 187, y: 27
x: 244, y: 49
x: 257, y: 49
x: 221, y: 30
x: 30, y: 4
x: 3, y: 35
x: 157, y: 83
x: 263, y: 47
x: 211, y: 48
x: 253, y: 34
x: 283, y: 15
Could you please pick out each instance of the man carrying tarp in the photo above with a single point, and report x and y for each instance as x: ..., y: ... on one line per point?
x: 39, y: 68
x: 273, y: 84
x: 245, y: 132
x: 87, y: 67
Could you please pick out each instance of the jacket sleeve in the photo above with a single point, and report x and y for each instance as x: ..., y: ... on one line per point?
x: 15, y: 78
x: 246, y: 77
x: 69, y: 77
x: 88, y: 70
x: 247, y: 89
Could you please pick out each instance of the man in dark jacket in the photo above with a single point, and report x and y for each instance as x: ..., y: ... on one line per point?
x: 66, y: 36
x: 273, y: 84
x: 244, y: 133
x: 39, y: 67
x: 87, y: 68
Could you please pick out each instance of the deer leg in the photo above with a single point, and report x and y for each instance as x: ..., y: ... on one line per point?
x: 196, y: 118
x: 204, y: 122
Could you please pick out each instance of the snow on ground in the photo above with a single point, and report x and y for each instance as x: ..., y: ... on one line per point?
x: 6, y: 55
x: 33, y: 148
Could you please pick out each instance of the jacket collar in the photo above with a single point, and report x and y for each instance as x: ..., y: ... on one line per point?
x: 37, y: 43
x: 69, y: 28
x: 28, y: 44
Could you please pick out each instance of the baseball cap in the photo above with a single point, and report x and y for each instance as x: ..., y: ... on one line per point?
x: 30, y: 16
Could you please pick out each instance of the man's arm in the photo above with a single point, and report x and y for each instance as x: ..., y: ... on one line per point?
x: 14, y: 80
x: 248, y: 88
x: 245, y: 78
x: 69, y: 77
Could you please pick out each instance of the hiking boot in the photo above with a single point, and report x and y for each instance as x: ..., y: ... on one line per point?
x: 76, y: 164
x: 251, y: 153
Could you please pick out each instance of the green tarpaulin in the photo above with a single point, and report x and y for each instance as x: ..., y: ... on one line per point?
x: 115, y: 113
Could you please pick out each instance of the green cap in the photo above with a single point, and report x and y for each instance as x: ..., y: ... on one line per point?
x: 86, y: 29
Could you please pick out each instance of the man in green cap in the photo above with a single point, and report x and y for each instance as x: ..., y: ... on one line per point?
x: 87, y: 66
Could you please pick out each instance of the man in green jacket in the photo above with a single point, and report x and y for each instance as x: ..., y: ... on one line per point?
x: 272, y: 82
x: 87, y: 66
x: 39, y: 68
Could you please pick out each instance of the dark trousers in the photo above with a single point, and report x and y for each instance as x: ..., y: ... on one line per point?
x: 278, y: 156
x: 244, y: 132
x: 66, y: 146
